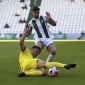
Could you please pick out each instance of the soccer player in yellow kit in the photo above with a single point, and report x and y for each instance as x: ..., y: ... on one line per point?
x: 30, y: 66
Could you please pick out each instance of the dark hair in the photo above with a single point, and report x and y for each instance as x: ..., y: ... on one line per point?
x: 35, y: 8
x: 37, y: 48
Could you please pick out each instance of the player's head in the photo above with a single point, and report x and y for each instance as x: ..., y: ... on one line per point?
x: 35, y: 12
x: 35, y: 50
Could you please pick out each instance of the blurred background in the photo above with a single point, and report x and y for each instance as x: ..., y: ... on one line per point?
x: 69, y: 15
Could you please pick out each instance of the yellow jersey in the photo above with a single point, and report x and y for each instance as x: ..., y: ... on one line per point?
x: 25, y: 55
x: 26, y: 60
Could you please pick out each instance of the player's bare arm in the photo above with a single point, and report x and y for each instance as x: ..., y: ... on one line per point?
x: 50, y: 20
x: 25, y: 34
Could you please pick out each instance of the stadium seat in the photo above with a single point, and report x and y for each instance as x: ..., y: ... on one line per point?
x: 70, y: 16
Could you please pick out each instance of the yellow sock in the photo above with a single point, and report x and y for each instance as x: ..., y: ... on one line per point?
x: 33, y: 73
x: 56, y: 64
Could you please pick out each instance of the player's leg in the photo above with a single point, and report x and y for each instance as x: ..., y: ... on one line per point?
x: 28, y: 66
x: 35, y: 72
x: 43, y: 64
x: 40, y: 44
x: 51, y: 48
x: 57, y: 64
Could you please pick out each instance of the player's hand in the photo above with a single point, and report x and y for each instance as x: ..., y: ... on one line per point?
x: 27, y: 30
x: 27, y: 27
x: 48, y: 15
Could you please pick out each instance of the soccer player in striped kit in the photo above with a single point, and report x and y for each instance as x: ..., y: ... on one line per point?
x: 42, y: 33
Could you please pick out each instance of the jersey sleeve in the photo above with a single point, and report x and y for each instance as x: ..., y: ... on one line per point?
x: 27, y: 53
x: 25, y: 50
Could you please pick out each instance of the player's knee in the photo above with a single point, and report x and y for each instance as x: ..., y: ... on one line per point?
x: 53, y: 52
x: 43, y: 72
x: 41, y: 64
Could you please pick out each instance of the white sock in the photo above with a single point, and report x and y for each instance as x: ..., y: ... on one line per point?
x: 50, y: 58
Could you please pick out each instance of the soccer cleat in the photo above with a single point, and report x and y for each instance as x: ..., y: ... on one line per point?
x: 68, y: 66
x: 21, y: 74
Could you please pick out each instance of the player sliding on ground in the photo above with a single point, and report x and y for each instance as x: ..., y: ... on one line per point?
x: 31, y: 66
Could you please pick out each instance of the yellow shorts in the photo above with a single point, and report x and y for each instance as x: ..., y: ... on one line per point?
x: 29, y: 64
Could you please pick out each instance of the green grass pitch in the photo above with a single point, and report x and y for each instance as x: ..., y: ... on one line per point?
x: 67, y: 52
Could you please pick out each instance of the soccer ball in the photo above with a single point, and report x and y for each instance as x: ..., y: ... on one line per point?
x: 53, y: 71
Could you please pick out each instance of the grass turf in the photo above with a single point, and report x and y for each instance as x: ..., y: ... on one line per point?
x: 67, y: 52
